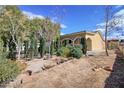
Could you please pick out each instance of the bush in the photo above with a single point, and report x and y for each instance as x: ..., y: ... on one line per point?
x: 78, y: 46
x: 64, y: 52
x: 8, y: 71
x: 76, y: 52
x: 70, y: 51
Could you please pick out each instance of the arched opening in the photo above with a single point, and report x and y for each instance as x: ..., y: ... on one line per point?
x: 66, y: 42
x: 77, y: 41
x: 69, y: 41
x: 89, y: 44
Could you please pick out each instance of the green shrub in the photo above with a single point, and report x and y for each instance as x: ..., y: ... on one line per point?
x: 64, y: 52
x: 78, y: 46
x: 70, y: 51
x: 76, y: 52
x: 69, y: 47
x: 8, y: 71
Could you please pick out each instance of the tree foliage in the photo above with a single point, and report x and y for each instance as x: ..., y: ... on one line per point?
x: 18, y: 28
x: 42, y: 47
x: 8, y: 69
x: 18, y: 32
x: 12, y: 25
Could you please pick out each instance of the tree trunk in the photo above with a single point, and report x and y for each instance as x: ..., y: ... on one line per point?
x: 49, y: 49
x: 106, y: 43
x: 73, y: 43
x: 106, y: 30
x: 18, y: 52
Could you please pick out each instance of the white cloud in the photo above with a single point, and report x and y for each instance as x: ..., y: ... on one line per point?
x: 101, y: 24
x: 31, y: 15
x: 121, y: 37
x: 100, y: 29
x: 63, y: 26
x: 62, y: 33
x: 120, y: 13
x: 118, y: 6
x: 114, y: 34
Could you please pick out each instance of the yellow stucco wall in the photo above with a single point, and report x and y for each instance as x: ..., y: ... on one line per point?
x: 97, y: 43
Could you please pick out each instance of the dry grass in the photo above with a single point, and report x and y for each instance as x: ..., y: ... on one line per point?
x: 73, y: 73
x: 64, y: 75
x: 22, y: 65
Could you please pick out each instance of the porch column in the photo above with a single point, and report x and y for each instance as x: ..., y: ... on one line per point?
x: 73, y: 43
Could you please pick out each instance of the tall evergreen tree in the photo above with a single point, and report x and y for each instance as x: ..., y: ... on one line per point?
x: 52, y: 48
x: 26, y: 45
x: 12, y: 50
x: 32, y: 46
x: 42, y: 46
x: 84, y: 45
x: 56, y: 44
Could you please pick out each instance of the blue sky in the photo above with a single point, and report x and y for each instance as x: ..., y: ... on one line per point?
x: 72, y: 18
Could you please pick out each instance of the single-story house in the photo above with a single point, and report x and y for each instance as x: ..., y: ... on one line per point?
x: 94, y: 40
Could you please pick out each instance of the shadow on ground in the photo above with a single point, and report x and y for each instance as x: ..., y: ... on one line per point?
x: 116, y: 78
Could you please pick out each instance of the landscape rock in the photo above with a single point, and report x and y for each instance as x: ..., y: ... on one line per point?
x: 108, y: 68
x: 96, y: 68
x: 46, y: 57
x: 29, y: 72
x: 34, y: 65
x: 48, y: 65
x: 59, y: 61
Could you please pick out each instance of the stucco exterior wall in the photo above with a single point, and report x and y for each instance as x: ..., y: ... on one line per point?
x: 94, y: 41
x: 97, y: 43
x: 72, y: 37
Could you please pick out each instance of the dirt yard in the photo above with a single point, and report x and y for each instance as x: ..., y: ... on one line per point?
x: 96, y: 71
